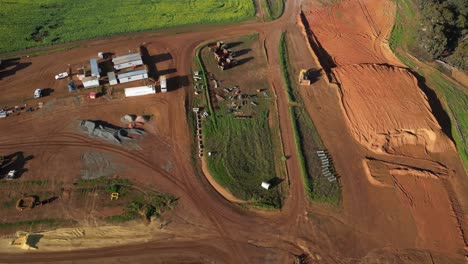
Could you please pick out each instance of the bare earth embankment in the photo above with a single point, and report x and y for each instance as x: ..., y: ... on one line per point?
x: 413, y: 161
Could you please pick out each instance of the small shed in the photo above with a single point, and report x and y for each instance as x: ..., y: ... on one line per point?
x: 127, y: 61
x: 266, y: 185
x: 140, y: 90
x: 92, y: 95
x: 94, y: 68
x: 90, y: 82
x: 112, y: 78
x: 132, y: 76
x: 163, y: 83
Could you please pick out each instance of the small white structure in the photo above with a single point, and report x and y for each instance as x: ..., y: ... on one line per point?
x: 266, y: 185
x: 141, y: 90
x: 112, y: 78
x: 132, y: 76
x: 90, y: 82
x: 11, y: 175
x: 163, y: 83
x: 127, y: 61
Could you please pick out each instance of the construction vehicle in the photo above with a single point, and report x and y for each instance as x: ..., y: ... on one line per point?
x: 224, y: 56
x: 304, y: 77
x: 114, y: 196
x: 27, y: 202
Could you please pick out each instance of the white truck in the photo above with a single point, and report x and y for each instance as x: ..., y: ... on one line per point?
x: 61, y: 75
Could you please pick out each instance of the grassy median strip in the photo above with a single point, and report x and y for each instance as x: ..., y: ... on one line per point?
x: 403, y: 40
x: 273, y: 8
x: 307, y: 140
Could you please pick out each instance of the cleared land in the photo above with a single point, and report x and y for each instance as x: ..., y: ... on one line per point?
x: 27, y: 24
x: 454, y: 96
x: 373, y: 89
x: 241, y: 140
x: 386, y: 127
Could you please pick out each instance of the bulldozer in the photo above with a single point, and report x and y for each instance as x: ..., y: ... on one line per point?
x: 27, y: 202
x: 304, y: 77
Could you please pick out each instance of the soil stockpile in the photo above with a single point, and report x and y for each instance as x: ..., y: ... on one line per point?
x: 386, y: 109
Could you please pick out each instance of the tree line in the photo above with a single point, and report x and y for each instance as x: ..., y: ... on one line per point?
x: 443, y: 34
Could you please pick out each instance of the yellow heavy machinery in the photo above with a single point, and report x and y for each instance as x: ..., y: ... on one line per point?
x: 114, y: 196
x: 304, y: 78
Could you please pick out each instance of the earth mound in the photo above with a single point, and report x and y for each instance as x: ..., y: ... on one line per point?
x: 386, y: 109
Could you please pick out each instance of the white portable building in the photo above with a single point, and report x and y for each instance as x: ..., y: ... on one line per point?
x: 94, y: 68
x: 90, y: 82
x: 163, y: 83
x: 127, y: 61
x: 266, y: 185
x: 132, y: 76
x: 112, y: 78
x: 141, y: 90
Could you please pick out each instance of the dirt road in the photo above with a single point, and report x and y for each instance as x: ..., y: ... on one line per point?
x: 209, y: 228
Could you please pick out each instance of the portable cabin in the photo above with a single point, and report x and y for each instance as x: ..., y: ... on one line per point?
x: 132, y: 76
x: 266, y: 185
x: 127, y: 61
x: 162, y: 82
x: 141, y: 90
x: 90, y: 82
x: 112, y: 78
x: 94, y: 68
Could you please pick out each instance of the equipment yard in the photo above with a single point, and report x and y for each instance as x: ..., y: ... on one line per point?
x: 296, y: 140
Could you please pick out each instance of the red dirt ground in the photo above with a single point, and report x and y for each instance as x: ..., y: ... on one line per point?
x: 375, y: 225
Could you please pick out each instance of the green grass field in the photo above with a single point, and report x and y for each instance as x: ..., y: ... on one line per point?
x: 403, y: 40
x: 307, y: 139
x: 29, y: 23
x: 245, y: 150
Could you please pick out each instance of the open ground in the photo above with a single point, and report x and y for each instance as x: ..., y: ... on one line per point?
x: 386, y: 215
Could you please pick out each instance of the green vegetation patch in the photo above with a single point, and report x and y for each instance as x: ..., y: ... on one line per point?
x: 244, y: 152
x: 146, y: 206
x: 243, y: 157
x: 307, y: 140
x: 29, y: 23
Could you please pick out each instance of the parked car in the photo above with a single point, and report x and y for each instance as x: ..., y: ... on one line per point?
x: 61, y: 75
x: 3, y: 114
x: 37, y: 93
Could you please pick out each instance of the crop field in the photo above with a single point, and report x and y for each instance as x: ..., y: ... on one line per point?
x: 454, y: 99
x: 307, y: 139
x: 29, y: 23
x: 245, y: 151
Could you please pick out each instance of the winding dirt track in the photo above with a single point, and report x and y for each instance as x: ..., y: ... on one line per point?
x: 211, y: 228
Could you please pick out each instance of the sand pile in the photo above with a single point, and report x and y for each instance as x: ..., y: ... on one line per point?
x: 386, y: 109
